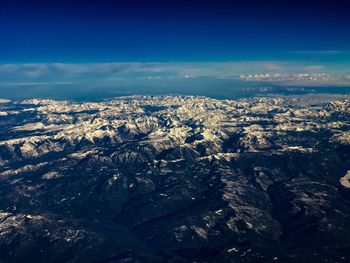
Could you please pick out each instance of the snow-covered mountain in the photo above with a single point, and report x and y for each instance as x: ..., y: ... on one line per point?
x: 174, y: 179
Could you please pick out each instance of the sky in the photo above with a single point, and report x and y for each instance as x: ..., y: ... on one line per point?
x: 192, y: 30
x: 62, y: 41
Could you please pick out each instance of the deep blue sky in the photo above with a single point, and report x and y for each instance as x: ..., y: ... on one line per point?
x: 111, y: 31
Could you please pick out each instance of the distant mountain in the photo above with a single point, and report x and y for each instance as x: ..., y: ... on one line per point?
x: 175, y: 179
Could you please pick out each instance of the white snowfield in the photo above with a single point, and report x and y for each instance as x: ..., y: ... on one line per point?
x: 345, y: 180
x: 167, y: 121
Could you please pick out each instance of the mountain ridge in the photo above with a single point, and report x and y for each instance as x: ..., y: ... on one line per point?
x: 174, y: 179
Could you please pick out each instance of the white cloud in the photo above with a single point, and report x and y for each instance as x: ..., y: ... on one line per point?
x: 8, y: 84
x: 315, y: 67
x: 64, y: 73
x: 321, y: 52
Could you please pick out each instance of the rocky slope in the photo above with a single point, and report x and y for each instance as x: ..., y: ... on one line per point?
x: 174, y: 179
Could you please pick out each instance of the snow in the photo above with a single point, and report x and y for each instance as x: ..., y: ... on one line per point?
x: 345, y: 180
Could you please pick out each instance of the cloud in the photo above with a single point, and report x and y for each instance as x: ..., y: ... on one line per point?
x: 8, y: 84
x: 321, y: 52
x: 272, y: 66
x: 66, y: 73
x: 315, y: 67
x: 137, y: 70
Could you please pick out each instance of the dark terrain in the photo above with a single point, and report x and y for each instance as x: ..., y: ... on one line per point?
x: 174, y: 179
